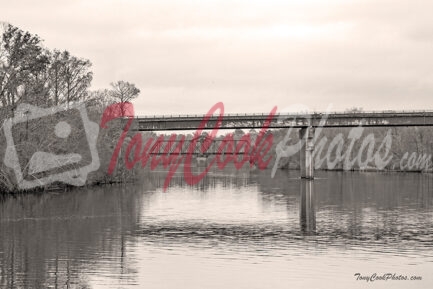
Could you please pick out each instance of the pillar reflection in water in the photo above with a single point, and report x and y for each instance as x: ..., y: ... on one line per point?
x: 307, y: 211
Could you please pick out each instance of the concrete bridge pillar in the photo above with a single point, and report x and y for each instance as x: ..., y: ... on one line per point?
x: 306, y: 153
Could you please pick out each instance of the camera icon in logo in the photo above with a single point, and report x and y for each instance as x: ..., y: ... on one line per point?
x: 47, y: 145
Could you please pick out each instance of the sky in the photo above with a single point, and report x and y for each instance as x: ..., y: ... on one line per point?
x: 252, y: 55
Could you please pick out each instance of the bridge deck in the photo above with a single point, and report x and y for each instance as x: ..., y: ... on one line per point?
x: 248, y: 121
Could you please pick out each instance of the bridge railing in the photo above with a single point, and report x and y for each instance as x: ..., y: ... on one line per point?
x: 297, y: 114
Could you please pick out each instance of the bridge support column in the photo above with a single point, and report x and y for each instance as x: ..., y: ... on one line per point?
x: 307, y: 211
x: 306, y: 159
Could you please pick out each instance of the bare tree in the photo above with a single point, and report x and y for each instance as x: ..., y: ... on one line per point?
x: 71, y: 77
x: 99, y: 98
x: 123, y: 91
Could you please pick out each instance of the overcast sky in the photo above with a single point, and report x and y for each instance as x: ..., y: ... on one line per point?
x: 252, y: 55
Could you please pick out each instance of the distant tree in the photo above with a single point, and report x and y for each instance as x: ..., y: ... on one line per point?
x: 355, y: 109
x: 238, y: 133
x: 101, y: 98
x: 123, y: 91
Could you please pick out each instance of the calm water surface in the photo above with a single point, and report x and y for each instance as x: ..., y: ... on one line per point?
x: 236, y: 229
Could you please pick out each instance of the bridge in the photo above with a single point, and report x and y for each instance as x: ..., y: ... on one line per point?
x: 306, y: 122
x: 301, y: 120
x: 214, y: 147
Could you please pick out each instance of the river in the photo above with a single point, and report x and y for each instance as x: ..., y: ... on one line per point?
x: 235, y: 229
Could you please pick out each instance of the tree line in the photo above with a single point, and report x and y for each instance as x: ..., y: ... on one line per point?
x: 31, y: 73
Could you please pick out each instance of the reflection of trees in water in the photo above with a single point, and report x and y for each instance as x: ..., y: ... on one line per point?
x: 371, y: 206
x: 340, y: 205
x: 47, y: 240
x: 373, y: 211
x: 229, y: 178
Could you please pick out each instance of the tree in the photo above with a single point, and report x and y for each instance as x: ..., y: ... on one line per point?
x: 238, y: 133
x: 101, y: 98
x: 77, y: 76
x: 124, y: 91
x: 30, y: 73
x: 355, y: 109
x: 70, y: 77
x: 23, y: 62
x: 55, y: 74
